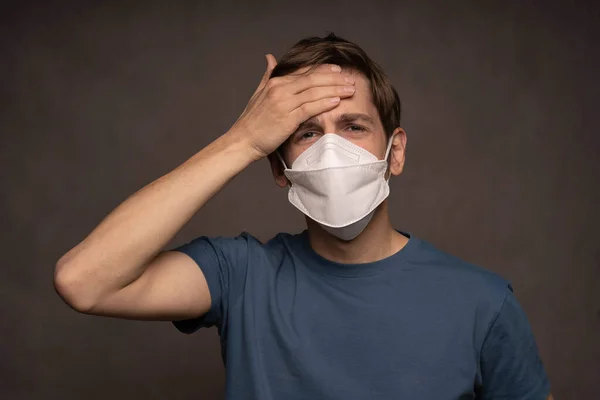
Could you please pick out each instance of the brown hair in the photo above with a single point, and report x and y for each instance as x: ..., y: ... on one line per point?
x: 314, y: 51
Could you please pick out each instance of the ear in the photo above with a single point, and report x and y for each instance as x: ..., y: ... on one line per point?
x: 398, y: 152
x: 277, y: 169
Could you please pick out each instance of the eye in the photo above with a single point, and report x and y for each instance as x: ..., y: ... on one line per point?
x: 307, y: 135
x: 356, y: 128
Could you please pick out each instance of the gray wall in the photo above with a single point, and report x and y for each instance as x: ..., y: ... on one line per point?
x: 97, y: 101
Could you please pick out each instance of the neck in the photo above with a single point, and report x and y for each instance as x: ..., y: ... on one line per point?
x: 379, y: 240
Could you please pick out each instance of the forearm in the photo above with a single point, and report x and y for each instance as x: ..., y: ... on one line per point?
x: 117, y: 251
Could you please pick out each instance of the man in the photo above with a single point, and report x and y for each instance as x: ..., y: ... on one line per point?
x: 348, y: 309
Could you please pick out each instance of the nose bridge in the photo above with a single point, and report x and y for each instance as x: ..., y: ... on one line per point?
x: 328, y: 122
x: 329, y: 126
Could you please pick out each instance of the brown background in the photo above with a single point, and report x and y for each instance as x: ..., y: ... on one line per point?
x: 500, y: 103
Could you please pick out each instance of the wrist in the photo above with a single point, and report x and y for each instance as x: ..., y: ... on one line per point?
x: 237, y: 140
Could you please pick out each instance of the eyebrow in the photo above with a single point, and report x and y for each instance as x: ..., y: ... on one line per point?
x: 343, y: 118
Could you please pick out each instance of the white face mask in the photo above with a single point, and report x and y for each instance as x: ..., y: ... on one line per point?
x: 338, y: 184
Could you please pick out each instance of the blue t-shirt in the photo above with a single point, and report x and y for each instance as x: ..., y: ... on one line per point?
x: 418, y: 325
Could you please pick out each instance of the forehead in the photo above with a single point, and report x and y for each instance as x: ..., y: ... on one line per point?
x: 360, y: 102
x: 362, y: 97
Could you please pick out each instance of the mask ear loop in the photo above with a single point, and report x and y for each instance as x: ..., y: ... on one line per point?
x: 284, y: 166
x: 281, y: 159
x: 387, y: 154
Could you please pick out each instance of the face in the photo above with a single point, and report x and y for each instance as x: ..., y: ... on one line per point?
x: 355, y: 119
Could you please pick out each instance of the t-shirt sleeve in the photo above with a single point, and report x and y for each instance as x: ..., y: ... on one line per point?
x: 224, y: 262
x: 511, y: 367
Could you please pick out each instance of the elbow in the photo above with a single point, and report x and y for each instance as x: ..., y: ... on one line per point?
x: 71, y: 288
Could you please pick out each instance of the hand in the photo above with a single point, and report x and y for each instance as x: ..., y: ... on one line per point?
x: 281, y: 104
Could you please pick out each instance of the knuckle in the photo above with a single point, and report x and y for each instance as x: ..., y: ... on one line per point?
x: 272, y: 83
x: 310, y: 79
x: 310, y: 94
x: 304, y: 109
x: 273, y: 92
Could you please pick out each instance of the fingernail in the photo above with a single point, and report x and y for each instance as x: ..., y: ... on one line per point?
x: 336, y: 68
x: 349, y: 79
x: 335, y: 100
x: 349, y: 89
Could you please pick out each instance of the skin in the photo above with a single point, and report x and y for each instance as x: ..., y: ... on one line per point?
x: 379, y: 240
x: 119, y: 269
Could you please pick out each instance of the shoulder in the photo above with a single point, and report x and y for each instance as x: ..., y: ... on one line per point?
x: 463, y: 281
x: 283, y: 245
x: 241, y: 242
x: 460, y: 271
x: 243, y: 246
x: 476, y: 293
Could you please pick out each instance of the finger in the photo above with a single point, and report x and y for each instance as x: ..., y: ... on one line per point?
x: 319, y: 79
x: 305, y: 71
x: 309, y: 110
x: 319, y: 93
x: 271, y: 63
x: 323, y: 68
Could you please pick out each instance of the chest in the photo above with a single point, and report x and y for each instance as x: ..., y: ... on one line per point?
x: 374, y: 337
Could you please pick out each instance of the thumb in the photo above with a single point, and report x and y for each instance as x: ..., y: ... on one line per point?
x: 271, y: 63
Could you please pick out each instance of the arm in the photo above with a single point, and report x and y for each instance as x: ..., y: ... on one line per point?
x: 118, y: 269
